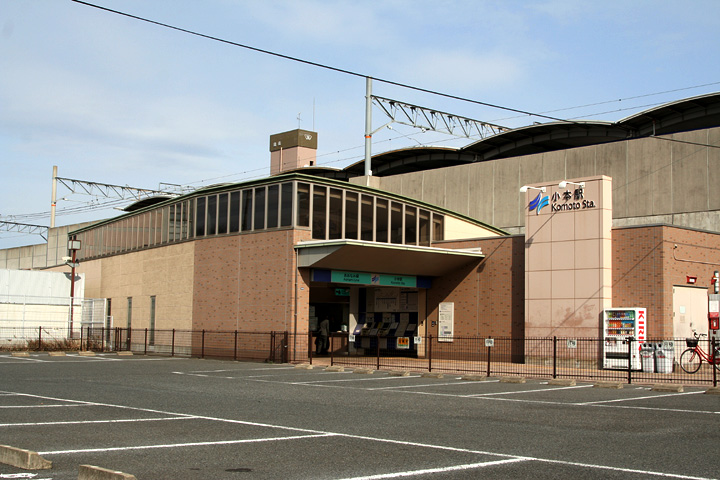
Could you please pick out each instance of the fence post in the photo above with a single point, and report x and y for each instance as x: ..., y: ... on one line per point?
x: 715, y: 359
x: 310, y: 347
x: 489, y: 349
x: 102, y: 338
x: 630, y: 350
x: 172, y: 347
x: 378, y: 351
x: 146, y: 343
x: 202, y: 345
x: 39, y: 338
x: 235, y: 347
x: 286, y: 340
x: 554, y: 356
x: 429, y: 340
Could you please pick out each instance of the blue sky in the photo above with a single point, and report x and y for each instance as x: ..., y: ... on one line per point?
x: 114, y: 100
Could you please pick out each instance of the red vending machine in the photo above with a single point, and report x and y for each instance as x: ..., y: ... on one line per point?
x: 620, y: 326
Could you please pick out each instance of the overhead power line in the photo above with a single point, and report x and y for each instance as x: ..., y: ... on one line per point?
x: 317, y: 64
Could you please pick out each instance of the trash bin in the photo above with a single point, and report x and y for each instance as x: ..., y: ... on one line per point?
x: 664, y: 356
x: 647, y: 357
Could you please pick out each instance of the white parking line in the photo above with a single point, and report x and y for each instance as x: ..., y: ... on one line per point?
x: 638, y: 398
x: 84, y: 422
x: 527, y: 391
x: 427, y: 471
x: 318, y: 434
x: 179, y: 445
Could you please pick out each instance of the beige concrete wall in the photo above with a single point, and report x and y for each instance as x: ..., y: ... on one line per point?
x: 568, y: 261
x: 655, y: 180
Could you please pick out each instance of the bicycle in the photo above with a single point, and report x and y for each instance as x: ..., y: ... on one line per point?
x: 692, y: 357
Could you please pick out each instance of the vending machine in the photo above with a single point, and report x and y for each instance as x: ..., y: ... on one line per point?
x: 623, y: 329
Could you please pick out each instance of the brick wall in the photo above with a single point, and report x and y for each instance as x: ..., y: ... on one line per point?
x: 247, y: 282
x: 646, y: 266
x: 488, y: 295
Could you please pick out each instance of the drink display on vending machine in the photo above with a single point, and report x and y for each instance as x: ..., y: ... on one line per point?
x: 620, y: 325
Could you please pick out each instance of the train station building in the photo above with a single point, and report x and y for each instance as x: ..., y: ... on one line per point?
x: 529, y: 233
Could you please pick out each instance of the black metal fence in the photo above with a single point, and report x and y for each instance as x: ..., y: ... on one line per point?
x: 653, y: 361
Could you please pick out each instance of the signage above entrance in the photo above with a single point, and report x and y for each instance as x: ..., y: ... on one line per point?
x: 377, y: 279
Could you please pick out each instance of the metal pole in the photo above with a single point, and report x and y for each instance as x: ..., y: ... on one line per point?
x: 429, y: 346
x: 53, y: 200
x: 555, y: 357
x: 630, y: 350
x: 488, y: 360
x: 715, y: 359
x: 235, y: 347
x: 39, y: 338
x: 332, y: 347
x: 378, y: 351
x: 202, y: 348
x: 146, y: 338
x: 172, y: 348
x: 368, y: 126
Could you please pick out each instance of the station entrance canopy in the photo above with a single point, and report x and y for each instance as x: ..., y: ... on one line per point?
x: 360, y: 256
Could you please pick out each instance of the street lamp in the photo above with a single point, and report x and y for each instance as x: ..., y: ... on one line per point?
x: 73, y: 247
x: 525, y: 188
x: 564, y: 184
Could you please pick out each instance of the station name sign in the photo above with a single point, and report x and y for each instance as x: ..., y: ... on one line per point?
x: 567, y: 200
x: 384, y: 280
x: 564, y: 201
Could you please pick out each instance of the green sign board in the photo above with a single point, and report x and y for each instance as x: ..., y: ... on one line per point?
x: 397, y: 281
x: 350, y: 277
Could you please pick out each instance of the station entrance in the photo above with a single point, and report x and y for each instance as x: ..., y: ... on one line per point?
x: 387, y: 317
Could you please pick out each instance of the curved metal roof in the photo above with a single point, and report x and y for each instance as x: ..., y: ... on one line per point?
x: 693, y: 113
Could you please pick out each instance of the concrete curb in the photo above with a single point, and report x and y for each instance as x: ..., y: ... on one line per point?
x: 363, y: 371
x: 667, y: 387
x: 604, y: 384
x: 512, y: 379
x: 432, y: 375
x: 563, y: 382
x: 125, y: 354
x: 20, y: 354
x: 89, y: 472
x: 335, y: 368
x: 399, y: 373
x: 713, y: 391
x: 474, y: 378
x: 86, y: 354
x: 57, y: 354
x: 24, y: 459
x: 304, y: 366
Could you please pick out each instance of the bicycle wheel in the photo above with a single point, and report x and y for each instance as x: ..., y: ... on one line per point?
x: 690, y: 361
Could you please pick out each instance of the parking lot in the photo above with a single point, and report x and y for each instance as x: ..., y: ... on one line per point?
x: 171, y: 418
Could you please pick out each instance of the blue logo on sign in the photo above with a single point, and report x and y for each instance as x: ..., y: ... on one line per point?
x: 539, y: 202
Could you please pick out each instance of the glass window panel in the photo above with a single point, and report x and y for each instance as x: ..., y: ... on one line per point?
x: 396, y: 222
x: 351, y: 215
x: 211, y: 215
x: 438, y: 230
x: 247, y: 203
x: 303, y: 205
x: 173, y: 213
x: 381, y: 220
x: 146, y: 230
x: 424, y: 228
x: 410, y: 225
x: 366, y: 218
x: 200, y: 217
x: 319, y: 212
x: 259, y: 219
x: 273, y: 204
x: 234, y: 212
x: 222, y: 213
x: 286, y: 204
x: 190, y: 208
x: 335, y: 214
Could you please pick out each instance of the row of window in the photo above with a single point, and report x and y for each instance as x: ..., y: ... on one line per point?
x: 330, y: 213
